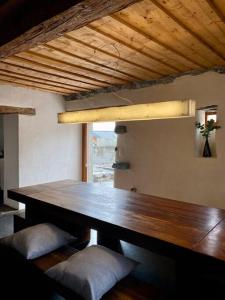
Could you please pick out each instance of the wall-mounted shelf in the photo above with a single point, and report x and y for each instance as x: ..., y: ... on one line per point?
x: 121, y: 165
x: 120, y: 129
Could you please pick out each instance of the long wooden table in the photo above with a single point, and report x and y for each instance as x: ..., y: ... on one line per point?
x: 147, y: 221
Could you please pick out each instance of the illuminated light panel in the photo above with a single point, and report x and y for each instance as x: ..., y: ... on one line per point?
x: 137, y: 112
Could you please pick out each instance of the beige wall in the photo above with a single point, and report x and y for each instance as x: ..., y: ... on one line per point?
x: 162, y: 152
x: 47, y: 151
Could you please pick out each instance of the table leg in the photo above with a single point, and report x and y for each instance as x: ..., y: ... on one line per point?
x: 107, y: 241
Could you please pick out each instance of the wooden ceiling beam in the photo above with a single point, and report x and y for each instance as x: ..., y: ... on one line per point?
x: 37, y: 22
x: 16, y: 110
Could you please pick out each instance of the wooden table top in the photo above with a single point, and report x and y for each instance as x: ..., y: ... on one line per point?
x: 182, y: 224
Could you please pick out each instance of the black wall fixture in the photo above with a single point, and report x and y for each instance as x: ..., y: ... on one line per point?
x: 121, y: 165
x: 120, y: 129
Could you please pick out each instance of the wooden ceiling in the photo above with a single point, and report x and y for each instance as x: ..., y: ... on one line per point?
x: 147, y: 40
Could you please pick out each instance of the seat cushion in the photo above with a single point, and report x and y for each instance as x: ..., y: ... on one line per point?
x: 92, y: 272
x: 38, y: 240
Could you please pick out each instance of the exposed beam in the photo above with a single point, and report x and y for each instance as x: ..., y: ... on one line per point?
x: 17, y: 110
x: 141, y: 84
x: 52, y: 21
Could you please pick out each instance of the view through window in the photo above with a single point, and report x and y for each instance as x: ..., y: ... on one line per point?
x: 102, y: 143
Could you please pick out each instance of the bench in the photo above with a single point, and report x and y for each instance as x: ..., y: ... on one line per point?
x: 25, y: 279
x: 127, y: 289
x: 27, y: 275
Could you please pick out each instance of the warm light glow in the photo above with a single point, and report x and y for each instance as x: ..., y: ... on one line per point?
x: 149, y: 111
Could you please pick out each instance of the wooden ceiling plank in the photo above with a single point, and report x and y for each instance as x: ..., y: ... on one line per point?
x: 50, y: 59
x: 37, y: 80
x: 79, y: 14
x: 205, y: 40
x: 214, y: 5
x: 207, y: 21
x: 166, y: 29
x: 159, y: 42
x: 33, y: 84
x: 57, y: 69
x: 221, y: 6
x: 102, y: 44
x: 10, y: 82
x: 138, y: 41
x: 216, y: 23
x: 135, y: 53
x: 38, y: 74
x: 103, y: 69
x: 120, y: 60
x: 52, y: 71
x: 107, y: 67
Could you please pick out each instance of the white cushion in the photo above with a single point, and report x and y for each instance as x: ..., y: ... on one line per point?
x: 38, y: 240
x: 92, y: 271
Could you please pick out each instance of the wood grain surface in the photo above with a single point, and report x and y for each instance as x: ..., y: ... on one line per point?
x: 131, y: 216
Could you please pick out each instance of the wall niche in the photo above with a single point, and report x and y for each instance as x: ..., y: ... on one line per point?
x: 204, y: 115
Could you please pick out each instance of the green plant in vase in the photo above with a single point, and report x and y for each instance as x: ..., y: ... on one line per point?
x: 205, y: 130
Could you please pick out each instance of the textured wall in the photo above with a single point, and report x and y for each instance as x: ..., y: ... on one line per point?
x: 167, y: 164
x: 162, y: 152
x: 47, y: 151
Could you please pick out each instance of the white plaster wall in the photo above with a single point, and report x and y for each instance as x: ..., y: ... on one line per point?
x: 162, y: 152
x: 47, y: 151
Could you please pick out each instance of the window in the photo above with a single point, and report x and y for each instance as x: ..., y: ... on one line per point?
x: 210, y: 116
x: 102, y: 143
